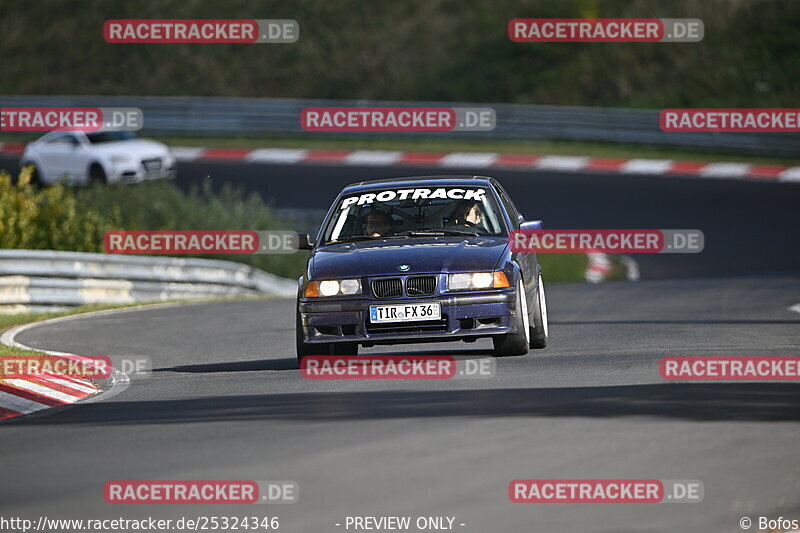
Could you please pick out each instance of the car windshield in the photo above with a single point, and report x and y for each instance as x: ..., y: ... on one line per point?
x: 415, y: 212
x: 110, y: 136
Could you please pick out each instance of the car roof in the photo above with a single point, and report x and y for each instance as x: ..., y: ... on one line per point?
x: 417, y: 181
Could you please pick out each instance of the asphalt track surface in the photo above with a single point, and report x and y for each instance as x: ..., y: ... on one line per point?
x: 749, y: 226
x: 226, y: 401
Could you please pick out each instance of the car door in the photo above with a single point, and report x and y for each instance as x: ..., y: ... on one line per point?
x: 77, y: 159
x: 60, y: 157
x: 527, y: 261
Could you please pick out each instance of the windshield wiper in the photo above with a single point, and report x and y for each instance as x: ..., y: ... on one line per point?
x: 438, y: 232
x: 355, y: 238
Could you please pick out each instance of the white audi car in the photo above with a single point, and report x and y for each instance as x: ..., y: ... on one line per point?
x: 79, y: 158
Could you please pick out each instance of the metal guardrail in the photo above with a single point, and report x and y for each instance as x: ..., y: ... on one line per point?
x: 40, y: 280
x: 265, y: 117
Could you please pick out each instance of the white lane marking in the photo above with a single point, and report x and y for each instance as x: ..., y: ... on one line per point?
x: 71, y: 379
x: 20, y: 404
x: 646, y: 166
x: 276, y: 155
x: 373, y: 157
x: 790, y: 174
x: 41, y: 390
x: 468, y: 159
x: 561, y: 162
x: 73, y: 385
x: 714, y: 170
x: 186, y: 153
x: 795, y: 308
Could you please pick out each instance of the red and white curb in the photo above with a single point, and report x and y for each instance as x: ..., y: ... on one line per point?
x: 41, y: 391
x: 35, y: 393
x: 559, y: 163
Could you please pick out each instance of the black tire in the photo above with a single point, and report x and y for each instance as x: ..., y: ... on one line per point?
x: 36, y: 179
x: 305, y: 349
x: 539, y: 327
x: 344, y: 348
x: 515, y: 343
x: 97, y: 176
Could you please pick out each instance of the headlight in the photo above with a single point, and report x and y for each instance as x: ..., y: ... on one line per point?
x: 477, y: 280
x: 120, y: 158
x: 332, y: 287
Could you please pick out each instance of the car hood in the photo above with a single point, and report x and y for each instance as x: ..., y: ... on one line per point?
x: 422, y: 255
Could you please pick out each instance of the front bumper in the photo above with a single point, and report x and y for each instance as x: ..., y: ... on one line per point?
x: 126, y: 173
x: 464, y: 316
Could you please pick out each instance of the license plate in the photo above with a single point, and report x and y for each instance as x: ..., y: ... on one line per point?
x: 152, y: 164
x: 404, y: 313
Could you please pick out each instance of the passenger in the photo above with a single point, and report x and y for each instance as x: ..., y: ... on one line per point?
x: 467, y: 213
x: 378, y: 223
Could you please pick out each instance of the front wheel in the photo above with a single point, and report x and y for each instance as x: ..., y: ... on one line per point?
x: 516, y: 343
x: 97, y: 176
x: 305, y: 349
x: 539, y: 330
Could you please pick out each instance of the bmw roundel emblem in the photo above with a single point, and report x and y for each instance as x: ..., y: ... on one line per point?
x: 404, y: 268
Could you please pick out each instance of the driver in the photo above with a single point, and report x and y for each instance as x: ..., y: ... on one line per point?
x: 467, y: 213
x: 378, y: 223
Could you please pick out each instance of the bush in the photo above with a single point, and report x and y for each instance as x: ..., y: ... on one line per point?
x: 50, y: 219
x: 63, y: 218
x: 160, y: 205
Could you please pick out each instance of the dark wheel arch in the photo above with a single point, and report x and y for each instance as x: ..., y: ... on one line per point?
x: 97, y: 174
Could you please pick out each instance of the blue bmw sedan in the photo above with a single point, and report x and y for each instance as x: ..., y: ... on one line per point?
x: 420, y: 259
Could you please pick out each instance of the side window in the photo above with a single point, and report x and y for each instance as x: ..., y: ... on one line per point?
x: 509, y: 207
x: 64, y: 139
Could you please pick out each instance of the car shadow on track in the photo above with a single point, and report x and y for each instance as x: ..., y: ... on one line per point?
x: 286, y: 363
x: 670, y: 322
x: 756, y: 402
x: 290, y: 363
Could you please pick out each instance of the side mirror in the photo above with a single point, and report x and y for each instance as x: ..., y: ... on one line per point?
x: 531, y: 225
x: 304, y: 241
